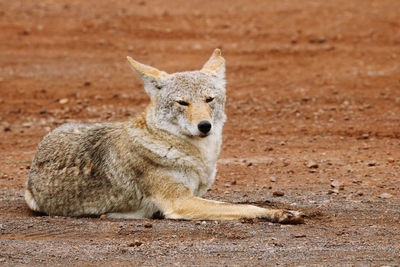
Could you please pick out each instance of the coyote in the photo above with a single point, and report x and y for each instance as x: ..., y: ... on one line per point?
x: 160, y: 162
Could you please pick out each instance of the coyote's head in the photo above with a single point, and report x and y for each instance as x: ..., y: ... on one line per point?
x: 189, y: 103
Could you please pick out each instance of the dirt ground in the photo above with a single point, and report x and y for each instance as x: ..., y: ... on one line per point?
x: 313, y: 113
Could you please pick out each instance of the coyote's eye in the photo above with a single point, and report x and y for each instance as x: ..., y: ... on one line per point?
x: 209, y: 99
x: 182, y: 103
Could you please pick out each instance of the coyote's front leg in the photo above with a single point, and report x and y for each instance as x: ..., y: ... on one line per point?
x: 194, y: 208
x: 183, y: 205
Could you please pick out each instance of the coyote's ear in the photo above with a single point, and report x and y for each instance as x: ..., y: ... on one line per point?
x: 216, y: 64
x: 151, y: 77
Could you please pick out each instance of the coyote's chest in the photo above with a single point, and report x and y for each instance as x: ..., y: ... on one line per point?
x: 209, y: 148
x: 193, y: 163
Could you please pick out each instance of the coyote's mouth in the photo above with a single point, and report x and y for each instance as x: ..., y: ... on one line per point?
x: 200, y: 135
x: 204, y: 135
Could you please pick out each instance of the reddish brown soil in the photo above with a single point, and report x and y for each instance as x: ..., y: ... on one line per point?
x: 307, y: 81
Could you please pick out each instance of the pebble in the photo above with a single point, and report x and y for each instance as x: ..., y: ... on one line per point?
x: 7, y: 128
x: 26, y: 32
x: 337, y: 184
x: 333, y: 191
x: 371, y: 163
x: 385, y: 195
x: 135, y: 243
x: 148, y: 225
x: 63, y: 101
x: 272, y: 179
x: 299, y: 235
x: 27, y: 124
x: 312, y: 165
x: 278, y: 194
x: 103, y: 216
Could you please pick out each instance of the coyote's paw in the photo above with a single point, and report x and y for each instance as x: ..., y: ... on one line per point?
x: 291, y: 217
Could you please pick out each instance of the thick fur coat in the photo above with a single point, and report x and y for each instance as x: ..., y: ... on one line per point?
x: 163, y: 161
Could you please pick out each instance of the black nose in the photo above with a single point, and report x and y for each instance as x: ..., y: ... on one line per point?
x: 204, y: 126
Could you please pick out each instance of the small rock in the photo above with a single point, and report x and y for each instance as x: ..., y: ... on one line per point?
x: 233, y: 182
x: 103, y: 216
x: 372, y: 163
x: 299, y: 235
x: 319, y: 40
x: 136, y: 243
x: 42, y: 111
x: 252, y: 139
x: 282, y: 143
x: 27, y: 124
x: 332, y: 191
x: 278, y: 194
x: 337, y: 184
x: 148, y: 225
x: 7, y: 128
x: 87, y: 83
x: 63, y: 101
x: 26, y: 32
x: 365, y: 136
x: 272, y: 179
x: 359, y: 193
x: 130, y: 48
x: 312, y: 165
x: 385, y: 195
x: 391, y: 160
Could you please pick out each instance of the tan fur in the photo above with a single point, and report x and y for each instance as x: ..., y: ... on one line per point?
x: 215, y: 63
x: 147, y: 70
x: 159, y: 162
x: 199, y: 112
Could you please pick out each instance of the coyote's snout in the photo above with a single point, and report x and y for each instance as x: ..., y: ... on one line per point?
x: 163, y: 161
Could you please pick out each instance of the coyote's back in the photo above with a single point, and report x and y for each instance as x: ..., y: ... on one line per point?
x: 163, y: 161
